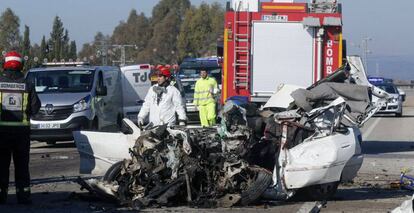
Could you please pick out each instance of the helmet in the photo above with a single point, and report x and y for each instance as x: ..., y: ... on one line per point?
x: 158, y: 67
x: 13, y: 61
x: 165, y: 72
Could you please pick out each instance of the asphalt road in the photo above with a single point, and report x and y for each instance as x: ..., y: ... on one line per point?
x: 388, y: 147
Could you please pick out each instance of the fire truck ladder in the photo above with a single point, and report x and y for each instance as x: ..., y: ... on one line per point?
x: 241, y: 63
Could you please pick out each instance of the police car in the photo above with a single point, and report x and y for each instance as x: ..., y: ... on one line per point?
x: 394, y: 103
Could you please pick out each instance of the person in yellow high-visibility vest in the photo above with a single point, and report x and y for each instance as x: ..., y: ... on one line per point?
x: 204, y: 98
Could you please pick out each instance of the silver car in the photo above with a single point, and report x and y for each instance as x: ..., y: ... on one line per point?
x: 394, y: 103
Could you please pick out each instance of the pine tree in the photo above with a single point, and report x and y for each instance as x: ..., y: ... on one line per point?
x: 26, y: 48
x: 43, y: 50
x: 64, y: 52
x: 56, y: 40
x: 9, y: 31
x: 72, y: 51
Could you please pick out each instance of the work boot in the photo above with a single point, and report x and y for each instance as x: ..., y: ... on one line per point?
x: 3, y: 195
x: 23, y: 196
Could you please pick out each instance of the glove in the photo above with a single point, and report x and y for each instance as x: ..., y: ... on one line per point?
x: 140, y: 122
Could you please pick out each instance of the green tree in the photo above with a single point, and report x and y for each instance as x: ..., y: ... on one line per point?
x: 44, y: 51
x: 64, y: 51
x: 36, y: 52
x: 89, y: 50
x: 72, y: 50
x: 26, y: 48
x: 9, y: 31
x: 200, y: 30
x: 56, y: 40
x: 167, y: 17
x: 136, y: 31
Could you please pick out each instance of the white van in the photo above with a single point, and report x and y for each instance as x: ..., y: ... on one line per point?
x: 75, y: 98
x: 135, y: 85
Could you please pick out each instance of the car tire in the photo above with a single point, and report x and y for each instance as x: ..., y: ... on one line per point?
x: 113, y: 172
x: 398, y: 114
x: 322, y: 191
x: 256, y: 189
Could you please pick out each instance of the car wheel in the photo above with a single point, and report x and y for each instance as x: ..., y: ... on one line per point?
x: 322, y: 191
x: 260, y: 180
x: 398, y: 114
x: 113, y: 172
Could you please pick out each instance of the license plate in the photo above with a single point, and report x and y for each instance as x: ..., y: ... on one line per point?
x: 49, y: 126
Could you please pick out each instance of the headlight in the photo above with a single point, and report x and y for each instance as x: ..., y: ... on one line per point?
x: 82, y: 105
x: 393, y: 100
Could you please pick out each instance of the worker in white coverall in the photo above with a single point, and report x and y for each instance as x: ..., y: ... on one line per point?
x: 162, y: 102
x: 205, y: 92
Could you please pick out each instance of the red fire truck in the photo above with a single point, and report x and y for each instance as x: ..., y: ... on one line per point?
x: 281, y: 41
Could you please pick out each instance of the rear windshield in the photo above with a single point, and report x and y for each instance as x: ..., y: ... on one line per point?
x: 58, y: 81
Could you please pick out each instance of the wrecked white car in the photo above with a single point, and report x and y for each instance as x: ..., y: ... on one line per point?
x: 303, y: 141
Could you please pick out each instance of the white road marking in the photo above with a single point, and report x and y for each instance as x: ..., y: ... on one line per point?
x: 367, y: 133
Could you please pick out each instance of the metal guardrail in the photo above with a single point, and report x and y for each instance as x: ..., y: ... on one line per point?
x: 405, y: 86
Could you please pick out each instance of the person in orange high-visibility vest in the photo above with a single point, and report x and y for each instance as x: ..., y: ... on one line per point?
x: 205, y: 92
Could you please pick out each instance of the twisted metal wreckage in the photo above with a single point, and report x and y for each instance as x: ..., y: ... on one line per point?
x: 304, y: 141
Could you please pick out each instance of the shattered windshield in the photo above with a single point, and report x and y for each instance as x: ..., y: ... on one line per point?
x: 58, y: 81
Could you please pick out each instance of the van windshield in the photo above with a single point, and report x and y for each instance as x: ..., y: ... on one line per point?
x: 195, y: 73
x: 58, y: 81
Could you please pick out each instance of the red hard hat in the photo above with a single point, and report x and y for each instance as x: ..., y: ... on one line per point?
x: 165, y: 72
x: 13, y: 61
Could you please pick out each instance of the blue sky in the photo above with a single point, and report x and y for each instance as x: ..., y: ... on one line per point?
x: 388, y: 23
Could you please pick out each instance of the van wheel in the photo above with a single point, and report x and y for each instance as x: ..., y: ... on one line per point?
x: 50, y: 142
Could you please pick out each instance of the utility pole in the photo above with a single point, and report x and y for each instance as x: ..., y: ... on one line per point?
x: 123, y: 60
x: 103, y: 52
x: 366, y: 51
